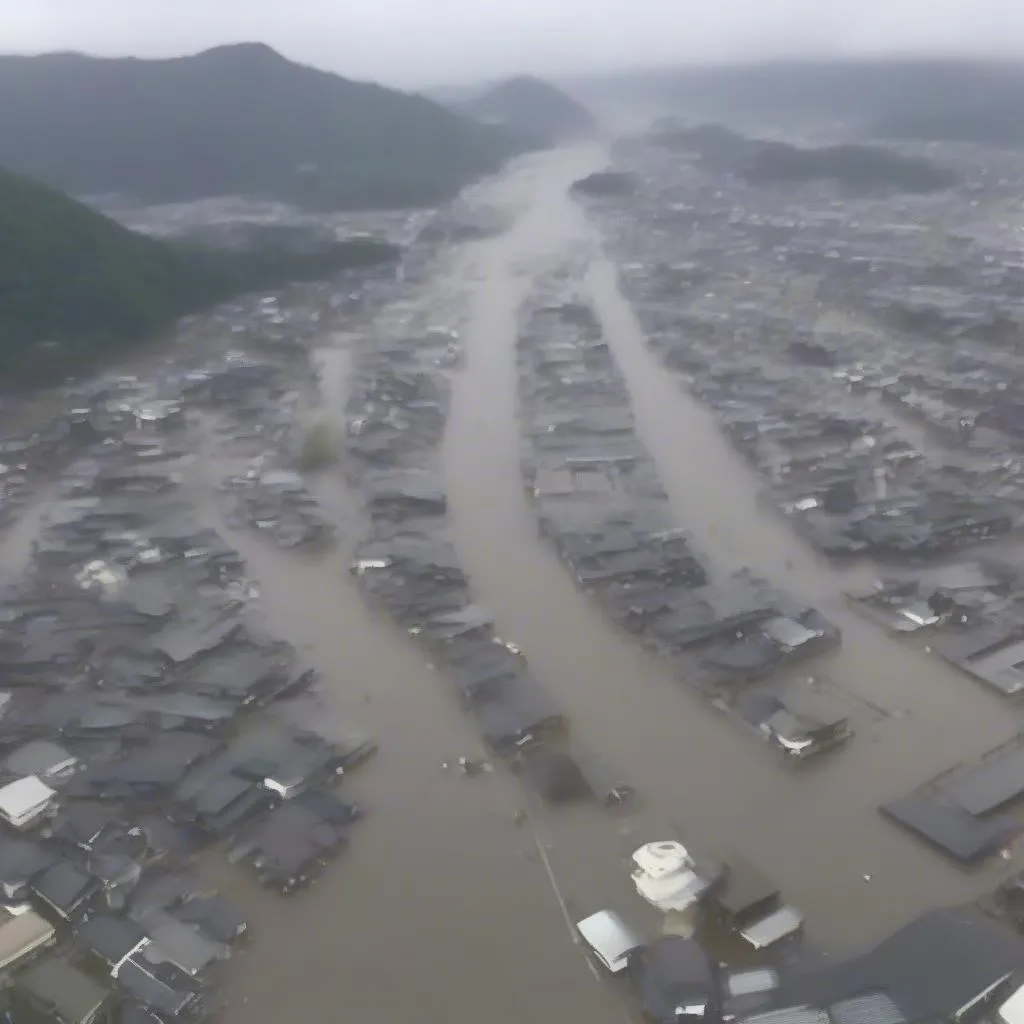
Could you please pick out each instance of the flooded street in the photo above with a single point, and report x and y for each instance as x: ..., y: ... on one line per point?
x: 441, y: 907
x: 438, y: 909
x: 444, y: 909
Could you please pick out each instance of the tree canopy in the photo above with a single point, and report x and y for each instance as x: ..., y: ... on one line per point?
x: 76, y: 286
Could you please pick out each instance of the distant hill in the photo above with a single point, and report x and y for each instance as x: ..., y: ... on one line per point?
x: 235, y: 120
x: 76, y: 287
x: 861, y: 91
x: 852, y: 167
x: 533, y: 110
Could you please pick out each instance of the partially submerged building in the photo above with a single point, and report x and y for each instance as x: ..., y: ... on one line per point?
x: 993, y: 655
x: 668, y: 877
x: 23, y: 934
x: 945, y: 965
x: 24, y: 802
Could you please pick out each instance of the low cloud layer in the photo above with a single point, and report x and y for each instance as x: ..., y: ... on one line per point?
x: 422, y: 42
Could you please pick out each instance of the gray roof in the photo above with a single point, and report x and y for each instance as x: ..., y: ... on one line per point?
x: 37, y: 757
x: 20, y: 859
x: 214, y: 917
x: 517, y: 707
x: 745, y: 888
x: 991, y: 784
x: 177, y: 943
x: 74, y: 996
x: 675, y: 971
x: 142, y: 982
x: 181, y: 642
x: 930, y: 969
x: 111, y: 938
x: 64, y: 887
x: 185, y: 705
x: 963, y: 836
x: 790, y: 1015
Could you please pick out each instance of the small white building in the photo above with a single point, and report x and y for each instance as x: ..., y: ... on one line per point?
x: 26, y: 800
x: 666, y: 876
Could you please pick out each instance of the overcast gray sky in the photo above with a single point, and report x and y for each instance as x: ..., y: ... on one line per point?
x: 427, y: 42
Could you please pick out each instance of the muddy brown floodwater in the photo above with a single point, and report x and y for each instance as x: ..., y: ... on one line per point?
x: 817, y: 832
x: 444, y: 910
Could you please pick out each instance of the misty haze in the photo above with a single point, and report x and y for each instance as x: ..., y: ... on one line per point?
x: 415, y: 44
x: 512, y: 512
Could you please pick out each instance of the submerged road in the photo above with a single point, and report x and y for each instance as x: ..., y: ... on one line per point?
x: 444, y: 910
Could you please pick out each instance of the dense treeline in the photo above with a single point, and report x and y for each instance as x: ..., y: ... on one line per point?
x: 76, y: 287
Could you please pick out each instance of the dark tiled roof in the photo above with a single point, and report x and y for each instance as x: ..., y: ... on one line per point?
x: 931, y: 968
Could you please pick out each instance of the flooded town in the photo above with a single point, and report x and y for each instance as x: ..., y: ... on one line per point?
x: 606, y: 604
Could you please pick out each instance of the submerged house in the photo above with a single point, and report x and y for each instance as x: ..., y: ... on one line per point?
x: 992, y: 654
x: 26, y: 801
x: 798, y: 719
x: 64, y: 890
x: 23, y: 933
x: 61, y: 992
x: 677, y: 981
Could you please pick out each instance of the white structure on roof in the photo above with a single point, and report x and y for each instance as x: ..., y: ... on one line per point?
x: 24, y: 801
x: 666, y: 876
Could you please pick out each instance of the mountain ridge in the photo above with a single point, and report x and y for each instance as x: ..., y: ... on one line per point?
x: 239, y: 119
